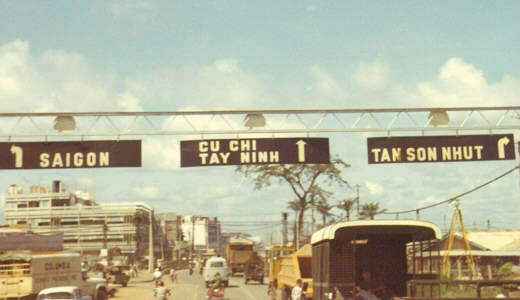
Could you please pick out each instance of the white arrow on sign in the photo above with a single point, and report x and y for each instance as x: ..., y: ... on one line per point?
x: 301, y: 150
x: 501, y: 144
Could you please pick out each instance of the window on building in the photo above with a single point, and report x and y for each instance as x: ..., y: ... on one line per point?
x: 22, y: 205
x: 21, y: 222
x: 44, y: 204
x: 55, y: 221
x: 115, y: 220
x: 69, y: 221
x: 60, y: 202
x: 34, y: 204
x: 44, y: 222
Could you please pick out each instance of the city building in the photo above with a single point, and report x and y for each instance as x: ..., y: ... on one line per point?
x: 202, y: 233
x: 121, y: 228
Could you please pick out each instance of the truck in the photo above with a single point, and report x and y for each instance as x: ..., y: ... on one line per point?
x: 238, y: 254
x: 24, y: 274
x: 285, y: 270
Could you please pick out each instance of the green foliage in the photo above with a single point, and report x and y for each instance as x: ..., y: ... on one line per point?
x: 505, y: 270
x: 307, y: 181
x: 369, y: 210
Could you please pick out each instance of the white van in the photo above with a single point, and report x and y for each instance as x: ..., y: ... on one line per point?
x: 213, y: 265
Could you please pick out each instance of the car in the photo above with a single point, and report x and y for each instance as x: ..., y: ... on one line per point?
x: 62, y: 293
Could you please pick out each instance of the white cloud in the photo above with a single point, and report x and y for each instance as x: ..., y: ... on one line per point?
x: 129, y: 102
x: 161, y: 153
x: 461, y: 84
x: 226, y: 65
x: 372, y: 76
x: 373, y: 188
x: 55, y: 81
x: 147, y: 192
x: 328, y: 86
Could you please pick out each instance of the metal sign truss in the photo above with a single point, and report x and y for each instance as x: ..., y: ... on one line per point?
x: 232, y: 122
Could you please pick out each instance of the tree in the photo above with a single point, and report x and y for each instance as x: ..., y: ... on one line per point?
x: 347, y: 206
x: 324, y: 209
x: 369, y: 210
x: 305, y: 181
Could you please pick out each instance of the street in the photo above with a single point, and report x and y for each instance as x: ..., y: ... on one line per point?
x: 189, y: 287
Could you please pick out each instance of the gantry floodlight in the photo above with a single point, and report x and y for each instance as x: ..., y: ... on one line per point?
x: 438, y: 118
x: 64, y: 123
x: 254, y: 120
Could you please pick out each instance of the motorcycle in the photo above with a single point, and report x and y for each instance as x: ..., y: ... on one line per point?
x: 215, y: 292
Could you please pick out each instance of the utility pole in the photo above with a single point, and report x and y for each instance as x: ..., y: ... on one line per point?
x: 284, y: 229
x: 150, y: 241
x: 357, y: 200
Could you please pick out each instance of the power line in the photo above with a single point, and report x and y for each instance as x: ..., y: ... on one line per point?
x: 453, y: 198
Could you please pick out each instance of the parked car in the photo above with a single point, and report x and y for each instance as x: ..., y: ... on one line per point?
x: 62, y: 293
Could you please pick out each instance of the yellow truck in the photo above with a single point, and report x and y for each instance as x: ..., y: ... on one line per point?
x: 285, y: 270
x: 24, y: 274
x: 238, y: 255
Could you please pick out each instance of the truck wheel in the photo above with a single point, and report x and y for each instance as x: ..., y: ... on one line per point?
x: 102, y: 295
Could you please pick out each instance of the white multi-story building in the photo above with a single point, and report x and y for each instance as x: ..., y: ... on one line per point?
x: 202, y: 233
x: 87, y: 227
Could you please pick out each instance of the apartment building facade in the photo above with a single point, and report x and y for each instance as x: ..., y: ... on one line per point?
x: 87, y: 227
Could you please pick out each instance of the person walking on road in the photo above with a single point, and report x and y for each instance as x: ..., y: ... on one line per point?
x: 296, y: 293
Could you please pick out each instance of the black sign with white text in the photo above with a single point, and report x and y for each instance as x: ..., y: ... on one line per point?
x: 75, y: 154
x: 255, y: 151
x: 419, y: 149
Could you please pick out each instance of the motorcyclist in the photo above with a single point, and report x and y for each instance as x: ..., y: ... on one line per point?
x: 214, y: 288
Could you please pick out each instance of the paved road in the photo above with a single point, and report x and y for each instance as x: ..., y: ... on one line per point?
x: 190, y: 288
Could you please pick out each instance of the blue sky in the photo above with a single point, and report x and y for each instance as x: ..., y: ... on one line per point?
x: 204, y: 55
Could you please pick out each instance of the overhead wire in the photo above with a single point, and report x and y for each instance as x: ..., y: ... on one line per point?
x: 451, y: 199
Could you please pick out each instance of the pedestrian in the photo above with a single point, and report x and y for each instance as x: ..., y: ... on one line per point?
x: 296, y: 293
x: 157, y: 274
x: 161, y: 292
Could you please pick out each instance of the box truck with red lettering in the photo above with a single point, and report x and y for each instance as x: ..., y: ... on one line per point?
x: 24, y: 274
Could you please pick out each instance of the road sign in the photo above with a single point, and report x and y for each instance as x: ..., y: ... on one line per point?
x: 408, y: 149
x: 255, y: 151
x: 74, y: 154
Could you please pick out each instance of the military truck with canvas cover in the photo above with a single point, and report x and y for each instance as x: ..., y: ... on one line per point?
x: 238, y: 254
x: 24, y: 275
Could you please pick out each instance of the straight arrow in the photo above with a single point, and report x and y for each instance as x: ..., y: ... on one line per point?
x: 301, y: 150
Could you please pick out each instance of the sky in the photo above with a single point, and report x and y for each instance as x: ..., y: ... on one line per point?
x: 136, y: 55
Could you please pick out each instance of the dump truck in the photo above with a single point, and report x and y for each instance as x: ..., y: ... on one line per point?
x: 285, y: 270
x: 238, y: 254
x: 24, y: 274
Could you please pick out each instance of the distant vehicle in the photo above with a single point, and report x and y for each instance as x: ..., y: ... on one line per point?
x: 26, y: 274
x: 254, y: 271
x: 62, y: 292
x: 118, y: 274
x: 213, y: 265
x: 238, y: 254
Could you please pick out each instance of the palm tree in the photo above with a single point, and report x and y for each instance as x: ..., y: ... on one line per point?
x: 347, y: 206
x: 369, y: 210
x: 324, y: 209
